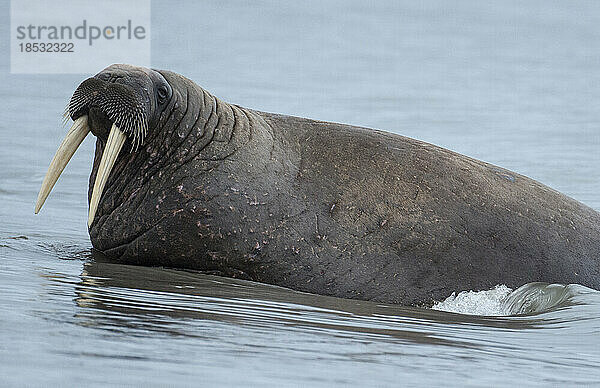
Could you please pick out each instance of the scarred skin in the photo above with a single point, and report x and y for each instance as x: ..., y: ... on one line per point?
x: 327, y: 208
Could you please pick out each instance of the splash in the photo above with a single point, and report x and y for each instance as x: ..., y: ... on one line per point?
x: 530, y: 298
x: 489, y: 302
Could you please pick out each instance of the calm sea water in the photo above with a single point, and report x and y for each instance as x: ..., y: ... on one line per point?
x: 512, y: 83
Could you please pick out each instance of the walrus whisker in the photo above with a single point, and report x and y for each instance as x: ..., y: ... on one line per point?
x: 65, y: 116
x: 115, y: 142
x: 116, y: 101
x: 67, y: 148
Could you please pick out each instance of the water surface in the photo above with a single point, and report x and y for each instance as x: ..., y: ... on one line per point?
x: 512, y: 83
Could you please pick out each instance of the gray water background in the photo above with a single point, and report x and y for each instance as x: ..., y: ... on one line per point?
x: 512, y: 83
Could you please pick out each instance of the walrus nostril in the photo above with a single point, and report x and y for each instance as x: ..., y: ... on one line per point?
x: 110, y: 77
x: 113, y: 78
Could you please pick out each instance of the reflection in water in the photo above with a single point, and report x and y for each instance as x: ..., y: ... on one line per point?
x: 156, y: 316
x: 157, y: 295
x: 156, y: 298
x: 79, y: 308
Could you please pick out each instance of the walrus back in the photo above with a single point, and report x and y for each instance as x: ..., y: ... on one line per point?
x: 400, y: 212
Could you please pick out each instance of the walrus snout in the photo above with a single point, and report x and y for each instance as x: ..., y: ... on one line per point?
x: 113, y: 99
x: 116, y: 105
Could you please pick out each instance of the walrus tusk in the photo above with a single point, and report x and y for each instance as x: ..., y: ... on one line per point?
x: 115, y: 142
x: 67, y: 148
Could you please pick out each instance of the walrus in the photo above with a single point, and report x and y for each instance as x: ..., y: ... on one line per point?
x: 183, y: 179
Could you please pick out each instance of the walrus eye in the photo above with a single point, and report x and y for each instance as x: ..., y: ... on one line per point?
x: 162, y: 93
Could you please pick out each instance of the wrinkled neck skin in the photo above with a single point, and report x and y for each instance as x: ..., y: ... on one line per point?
x: 176, y: 199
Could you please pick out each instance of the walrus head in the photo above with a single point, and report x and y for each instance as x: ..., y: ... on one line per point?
x: 121, y: 104
x: 165, y: 150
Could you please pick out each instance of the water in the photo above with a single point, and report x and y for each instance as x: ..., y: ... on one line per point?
x: 512, y: 83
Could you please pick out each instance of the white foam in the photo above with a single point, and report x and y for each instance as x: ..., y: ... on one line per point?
x: 489, y: 302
